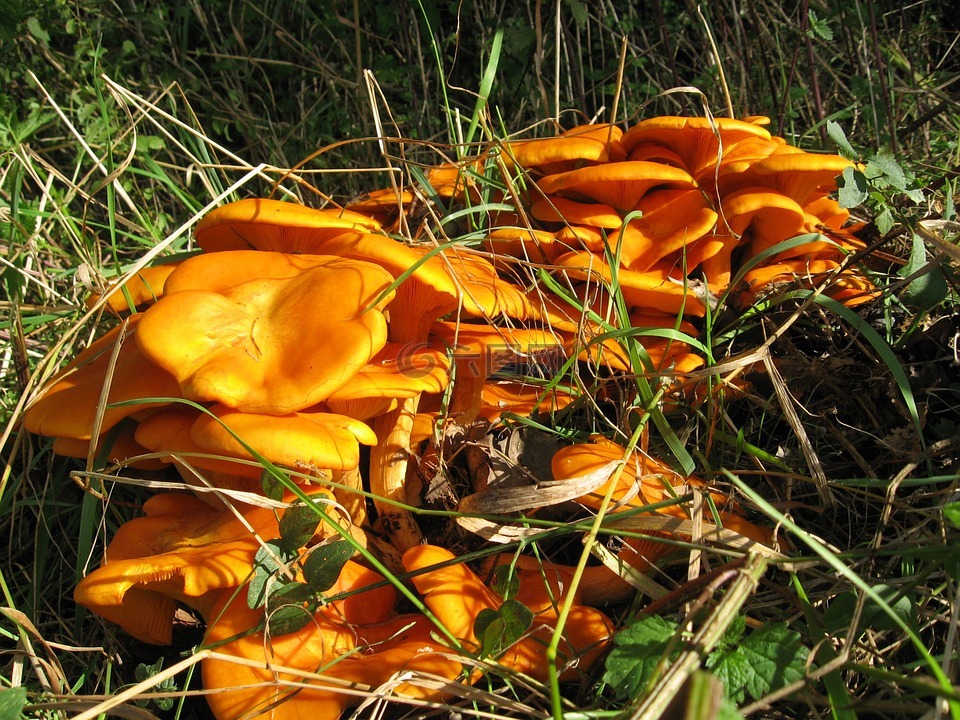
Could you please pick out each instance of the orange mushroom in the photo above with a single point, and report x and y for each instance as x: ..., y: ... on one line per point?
x: 182, y: 550
x: 456, y: 595
x: 273, y: 225
x: 263, y: 345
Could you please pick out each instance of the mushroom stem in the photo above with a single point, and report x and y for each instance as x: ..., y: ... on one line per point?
x: 388, y: 470
x: 350, y: 495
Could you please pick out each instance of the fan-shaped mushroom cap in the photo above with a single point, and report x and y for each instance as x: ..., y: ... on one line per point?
x: 696, y: 141
x: 264, y: 224
x: 264, y: 345
x: 620, y: 185
x: 673, y: 220
x: 68, y: 405
x: 169, y: 431
x: 324, y: 441
x: 385, y: 205
x: 647, y: 290
x: 217, y: 272
x: 398, y: 371
x: 574, y: 148
x: 518, y: 398
x: 118, y: 447
x: 847, y: 287
x: 559, y: 209
x: 182, y: 550
x: 480, y: 351
x: 643, y: 481
x: 309, y: 674
x: 801, y: 176
x: 143, y: 288
x: 535, y: 246
x: 456, y: 596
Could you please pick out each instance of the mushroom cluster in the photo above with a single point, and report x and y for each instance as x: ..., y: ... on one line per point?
x: 297, y: 335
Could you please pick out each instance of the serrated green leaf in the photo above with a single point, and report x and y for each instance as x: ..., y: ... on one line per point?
x: 497, y: 630
x: 324, y: 564
x: 637, y: 651
x: 265, y: 566
x: 11, y: 15
x: 838, y: 616
x: 852, y: 188
x: 928, y: 289
x: 12, y: 702
x: 297, y: 525
x: 767, y: 659
x: 884, y: 164
x: 728, y: 710
x: 835, y: 132
x: 819, y: 27
x: 885, y: 221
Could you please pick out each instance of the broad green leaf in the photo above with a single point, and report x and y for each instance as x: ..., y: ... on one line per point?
x: 265, y: 566
x: 928, y: 289
x: 838, y: 616
x: 297, y: 525
x: 637, y: 651
x: 272, y: 487
x: 505, y: 582
x: 884, y: 221
x: 288, y: 593
x: 766, y: 660
x: 287, y: 619
x: 12, y: 702
x: 840, y: 138
x: 324, y: 564
x: 884, y: 164
x: 852, y: 190
x: 497, y: 630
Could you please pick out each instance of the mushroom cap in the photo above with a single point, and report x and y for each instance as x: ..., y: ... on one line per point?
x: 264, y: 345
x: 456, y: 595
x: 672, y: 221
x: 519, y: 398
x: 264, y: 224
x: 535, y: 246
x: 118, y: 448
x: 143, y: 288
x: 573, y: 148
x: 483, y: 350
x: 398, y: 371
x: 217, y: 272
x: 559, y: 209
x: 584, y: 458
x: 329, y: 656
x: 169, y: 431
x: 302, y: 439
x: 181, y: 550
x: 620, y: 185
x: 68, y: 405
x: 648, y: 290
x: 801, y: 176
x: 695, y: 141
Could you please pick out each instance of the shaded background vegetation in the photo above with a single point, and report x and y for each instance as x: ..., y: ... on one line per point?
x: 276, y: 81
